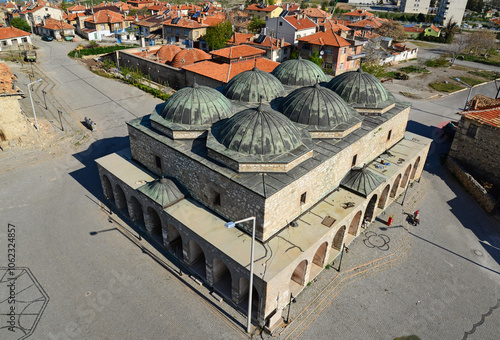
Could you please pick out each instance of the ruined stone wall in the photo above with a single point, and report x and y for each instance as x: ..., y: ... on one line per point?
x: 477, y: 191
x: 159, y: 73
x: 481, y: 151
x: 13, y: 124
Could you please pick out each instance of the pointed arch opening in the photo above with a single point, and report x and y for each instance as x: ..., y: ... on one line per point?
x: 243, y: 304
x: 384, y: 196
x: 136, y: 213
x: 174, y: 241
x: 338, y: 239
x: 354, y: 226
x: 415, y: 167
x: 406, y: 176
x: 370, y: 209
x: 395, y: 186
x: 121, y: 200
x: 320, y: 255
x: 154, y: 225
x: 197, y: 259
x: 221, y: 277
x: 107, y: 188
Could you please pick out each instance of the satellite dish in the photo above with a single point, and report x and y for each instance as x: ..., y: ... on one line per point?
x: 321, y: 52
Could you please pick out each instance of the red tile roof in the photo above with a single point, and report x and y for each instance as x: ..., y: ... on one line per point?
x: 189, y: 57
x: 488, y: 116
x: 267, y: 43
x: 333, y: 24
x: 239, y: 51
x: 300, y: 24
x: 316, y: 13
x: 413, y: 29
x: 185, y: 23
x: 225, y: 72
x: 11, y: 32
x: 373, y: 22
x: 105, y: 16
x: 434, y: 28
x: 10, y: 5
x: 255, y: 7
x: 327, y: 38
x: 166, y: 53
x: 359, y: 13
x: 76, y: 8
x: 53, y: 24
x: 212, y: 21
x: 239, y: 38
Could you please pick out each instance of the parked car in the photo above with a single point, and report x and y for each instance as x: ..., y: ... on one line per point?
x: 30, y: 56
x: 47, y: 38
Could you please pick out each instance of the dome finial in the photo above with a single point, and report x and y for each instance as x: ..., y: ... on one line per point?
x: 299, y: 57
x: 317, y: 82
x: 360, y: 70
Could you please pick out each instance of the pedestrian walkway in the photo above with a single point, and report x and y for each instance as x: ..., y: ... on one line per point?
x: 377, y: 248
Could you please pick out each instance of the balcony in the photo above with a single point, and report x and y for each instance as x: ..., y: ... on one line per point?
x: 356, y: 56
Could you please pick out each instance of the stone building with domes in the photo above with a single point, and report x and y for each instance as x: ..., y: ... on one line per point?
x: 310, y: 159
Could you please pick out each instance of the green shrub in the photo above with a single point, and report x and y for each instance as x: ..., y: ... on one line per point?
x: 414, y: 69
x: 437, y: 62
x: 490, y: 75
x: 445, y: 87
x: 98, y: 50
x: 470, y: 81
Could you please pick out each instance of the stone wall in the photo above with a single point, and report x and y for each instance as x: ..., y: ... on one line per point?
x: 482, y: 151
x: 477, y: 191
x: 13, y: 124
x: 159, y: 73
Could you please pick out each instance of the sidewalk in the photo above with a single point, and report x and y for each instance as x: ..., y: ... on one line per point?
x: 377, y: 248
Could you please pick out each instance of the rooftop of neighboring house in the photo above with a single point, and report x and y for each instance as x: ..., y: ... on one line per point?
x: 105, y: 17
x: 261, y: 8
x: 300, y: 23
x: 151, y: 21
x: 327, y: 38
x: 76, y: 8
x: 12, y: 32
x: 184, y: 23
x: 359, y: 13
x: 405, y: 46
x: 489, y: 117
x: 316, y: 13
x: 224, y: 72
x: 372, y: 22
x: 54, y: 24
x: 333, y: 24
x: 434, y: 28
x: 413, y: 29
x: 238, y: 52
x: 480, y: 102
x: 270, y: 43
x: 239, y: 38
x: 212, y: 21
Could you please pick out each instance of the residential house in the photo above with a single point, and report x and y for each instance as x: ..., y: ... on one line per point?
x: 35, y: 13
x: 357, y: 15
x: 263, y: 11
x: 432, y: 31
x: 147, y: 26
x: 336, y: 27
x: 76, y: 9
x: 226, y: 63
x: 290, y: 27
x: 276, y: 49
x: 105, y: 23
x: 140, y: 3
x: 184, y: 32
x: 489, y: 14
x: 11, y: 37
x: 364, y: 28
x: 339, y: 54
x: 239, y: 38
x: 58, y: 29
x: 317, y: 15
x: 385, y: 51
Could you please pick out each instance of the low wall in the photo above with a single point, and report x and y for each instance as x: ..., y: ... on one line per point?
x: 160, y: 73
x: 477, y: 191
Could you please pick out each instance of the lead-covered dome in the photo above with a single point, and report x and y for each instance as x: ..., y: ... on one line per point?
x: 359, y: 88
x: 196, y: 105
x: 317, y: 106
x: 259, y: 131
x: 299, y: 72
x: 250, y: 85
x: 163, y: 191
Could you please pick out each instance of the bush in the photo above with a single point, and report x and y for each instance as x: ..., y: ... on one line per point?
x: 375, y: 69
x: 97, y: 50
x: 437, y: 62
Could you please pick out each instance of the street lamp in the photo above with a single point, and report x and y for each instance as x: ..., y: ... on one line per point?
x: 230, y: 225
x: 344, y: 248
x: 470, y: 90
x: 33, y: 106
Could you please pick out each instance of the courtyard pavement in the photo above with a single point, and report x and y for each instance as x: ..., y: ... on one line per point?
x: 439, y: 280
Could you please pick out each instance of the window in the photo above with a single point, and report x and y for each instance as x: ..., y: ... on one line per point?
x: 168, y: 30
x: 217, y: 199
x: 306, y: 47
x: 354, y: 159
x: 472, y: 130
x: 4, y: 43
x: 303, y: 198
x: 389, y: 135
x: 196, y: 33
x: 186, y: 32
x: 177, y: 31
x: 103, y: 26
x: 343, y: 50
x: 341, y: 66
x: 158, y: 162
x: 328, y: 50
x: 281, y: 23
x: 25, y: 40
x: 328, y: 66
x: 186, y: 43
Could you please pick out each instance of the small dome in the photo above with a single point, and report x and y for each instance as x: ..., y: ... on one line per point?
x: 248, y: 86
x: 166, y: 53
x: 361, y: 181
x: 189, y: 57
x: 259, y: 131
x: 196, y: 105
x: 163, y: 191
x: 299, y: 72
x: 316, y: 105
x: 358, y: 87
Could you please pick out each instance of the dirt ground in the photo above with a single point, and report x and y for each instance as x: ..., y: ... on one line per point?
x: 417, y: 86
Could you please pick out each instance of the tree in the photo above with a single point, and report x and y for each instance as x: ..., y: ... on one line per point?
x: 480, y: 42
x: 138, y: 11
x: 22, y: 24
x: 393, y: 30
x: 457, y: 47
x: 218, y: 35
x: 63, y: 5
x: 315, y: 58
x: 256, y: 24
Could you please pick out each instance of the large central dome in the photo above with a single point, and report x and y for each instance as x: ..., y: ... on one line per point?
x: 250, y: 85
x: 358, y: 87
x: 259, y: 131
x: 196, y: 105
x: 318, y: 106
x: 299, y: 72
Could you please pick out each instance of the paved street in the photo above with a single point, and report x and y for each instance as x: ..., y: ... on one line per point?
x: 435, y: 280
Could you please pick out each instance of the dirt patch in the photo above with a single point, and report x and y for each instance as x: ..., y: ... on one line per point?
x: 418, y: 84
